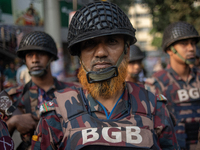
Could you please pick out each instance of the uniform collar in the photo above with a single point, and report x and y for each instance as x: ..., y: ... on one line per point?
x: 120, y: 108
x: 55, y: 86
x: 176, y: 76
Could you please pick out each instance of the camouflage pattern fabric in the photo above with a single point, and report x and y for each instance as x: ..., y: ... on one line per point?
x: 74, y: 120
x: 6, y: 142
x: 183, y: 101
x: 16, y: 92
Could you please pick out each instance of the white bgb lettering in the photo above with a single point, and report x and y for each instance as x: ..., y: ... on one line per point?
x: 184, y: 95
x: 116, y: 134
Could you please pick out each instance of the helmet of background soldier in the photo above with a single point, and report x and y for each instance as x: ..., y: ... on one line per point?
x: 135, y: 53
x: 178, y: 31
x: 37, y: 41
x: 197, y: 52
x: 98, y: 19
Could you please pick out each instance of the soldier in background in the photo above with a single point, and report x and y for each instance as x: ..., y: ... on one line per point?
x: 107, y: 113
x: 179, y: 83
x: 196, y: 64
x: 135, y: 72
x: 37, y: 49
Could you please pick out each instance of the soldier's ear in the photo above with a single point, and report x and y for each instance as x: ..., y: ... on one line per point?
x: 169, y: 52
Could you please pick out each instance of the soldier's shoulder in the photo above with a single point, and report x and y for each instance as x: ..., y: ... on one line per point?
x: 15, y: 90
x: 160, y: 73
x: 161, y: 98
x: 47, y: 107
x: 75, y: 84
x: 150, y: 81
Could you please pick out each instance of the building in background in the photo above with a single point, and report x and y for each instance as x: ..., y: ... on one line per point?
x: 141, y: 20
x: 19, y: 17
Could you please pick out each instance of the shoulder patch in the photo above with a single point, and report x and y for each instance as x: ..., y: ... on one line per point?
x: 161, y: 97
x: 14, y: 90
x: 47, y: 106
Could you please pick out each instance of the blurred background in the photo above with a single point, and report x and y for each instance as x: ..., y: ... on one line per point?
x: 148, y: 17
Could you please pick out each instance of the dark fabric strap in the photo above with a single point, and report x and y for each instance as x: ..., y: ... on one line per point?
x: 25, y: 92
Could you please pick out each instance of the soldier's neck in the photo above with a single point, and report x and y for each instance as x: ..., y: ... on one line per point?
x: 183, y: 70
x: 109, y: 103
x: 44, y: 82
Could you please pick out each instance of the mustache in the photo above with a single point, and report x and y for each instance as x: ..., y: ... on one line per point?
x: 101, y: 60
x: 32, y: 67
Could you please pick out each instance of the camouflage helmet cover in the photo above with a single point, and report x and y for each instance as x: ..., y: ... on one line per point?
x: 135, y: 53
x: 98, y: 19
x: 38, y: 41
x: 178, y: 31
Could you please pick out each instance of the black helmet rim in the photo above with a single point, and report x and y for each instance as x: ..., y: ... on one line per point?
x: 98, y: 19
x: 179, y: 39
x: 22, y: 51
x: 38, y: 41
x: 96, y: 34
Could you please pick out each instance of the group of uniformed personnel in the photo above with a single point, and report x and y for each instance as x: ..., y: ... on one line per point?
x: 110, y: 108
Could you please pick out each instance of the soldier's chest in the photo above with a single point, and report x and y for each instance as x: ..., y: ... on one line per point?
x: 180, y: 92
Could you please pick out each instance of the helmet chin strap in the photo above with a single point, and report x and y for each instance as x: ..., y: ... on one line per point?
x: 107, y: 73
x: 41, y: 72
x: 187, y: 61
x: 133, y: 75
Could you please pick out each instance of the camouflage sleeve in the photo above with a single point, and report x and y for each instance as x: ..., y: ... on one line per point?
x: 164, y: 128
x: 48, y: 134
x: 6, y: 141
x: 151, y: 84
x: 3, y: 129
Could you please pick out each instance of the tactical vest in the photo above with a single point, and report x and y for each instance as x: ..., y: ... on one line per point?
x: 81, y: 130
x: 184, y: 102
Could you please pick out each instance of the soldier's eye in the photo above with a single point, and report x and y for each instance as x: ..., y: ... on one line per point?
x: 88, y: 43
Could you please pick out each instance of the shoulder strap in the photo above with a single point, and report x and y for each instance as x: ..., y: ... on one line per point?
x: 13, y: 107
x: 27, y: 97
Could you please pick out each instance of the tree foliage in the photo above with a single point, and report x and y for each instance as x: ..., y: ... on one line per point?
x: 165, y: 12
x: 123, y: 4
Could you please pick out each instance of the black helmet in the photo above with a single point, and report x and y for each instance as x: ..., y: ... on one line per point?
x: 95, y: 20
x: 135, y: 53
x: 178, y: 31
x: 37, y: 40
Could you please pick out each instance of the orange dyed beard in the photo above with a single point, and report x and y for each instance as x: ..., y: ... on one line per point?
x: 107, y: 88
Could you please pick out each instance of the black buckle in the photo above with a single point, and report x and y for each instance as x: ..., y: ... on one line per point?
x: 102, y: 72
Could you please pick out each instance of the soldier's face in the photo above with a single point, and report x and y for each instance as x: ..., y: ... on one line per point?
x: 134, y: 67
x: 36, y: 60
x: 186, y: 48
x: 101, y: 52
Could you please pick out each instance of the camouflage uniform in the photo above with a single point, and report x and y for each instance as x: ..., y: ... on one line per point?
x: 138, y: 114
x: 183, y: 101
x: 15, y: 93
x: 34, y: 96
x: 6, y: 143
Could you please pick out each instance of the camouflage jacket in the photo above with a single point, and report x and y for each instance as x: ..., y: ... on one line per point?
x: 74, y: 120
x: 183, y: 101
x: 16, y: 94
x: 6, y: 141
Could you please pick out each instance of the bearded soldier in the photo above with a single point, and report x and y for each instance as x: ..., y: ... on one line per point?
x: 107, y: 112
